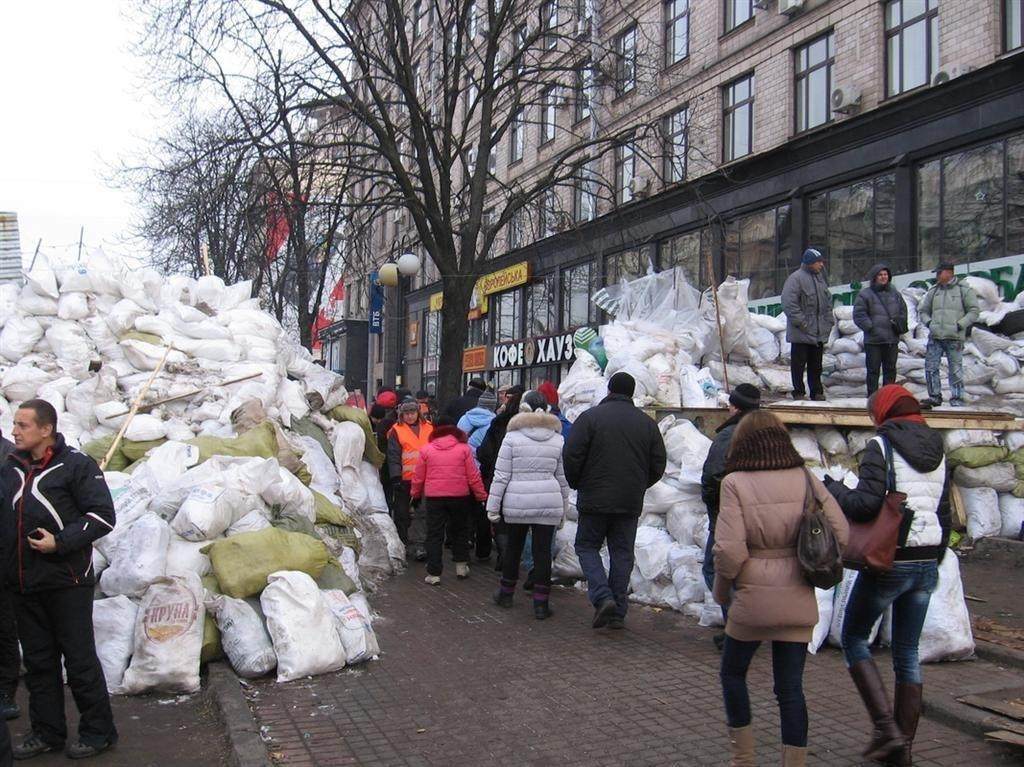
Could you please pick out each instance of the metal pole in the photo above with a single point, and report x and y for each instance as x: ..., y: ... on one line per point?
x: 718, y: 317
x: 36, y: 254
x: 81, y: 237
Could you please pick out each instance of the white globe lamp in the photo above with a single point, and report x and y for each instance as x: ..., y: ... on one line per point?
x: 408, y: 264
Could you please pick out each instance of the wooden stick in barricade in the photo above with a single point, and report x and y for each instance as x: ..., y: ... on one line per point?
x: 134, y: 409
x: 718, y: 317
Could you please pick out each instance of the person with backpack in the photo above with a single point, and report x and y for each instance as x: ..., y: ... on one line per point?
x: 530, y: 495
x: 907, y: 456
x: 487, y: 456
x: 475, y: 423
x: 881, y: 313
x: 758, y: 576
x: 948, y: 310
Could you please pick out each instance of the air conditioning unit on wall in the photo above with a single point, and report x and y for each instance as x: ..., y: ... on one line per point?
x: 845, y: 98
x: 790, y: 7
x: 950, y: 72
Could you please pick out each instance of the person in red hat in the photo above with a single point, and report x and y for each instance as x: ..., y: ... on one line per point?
x: 907, y: 456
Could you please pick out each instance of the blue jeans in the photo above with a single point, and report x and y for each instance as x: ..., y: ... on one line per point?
x: 619, y: 530
x: 788, y: 670
x: 954, y: 352
x: 908, y: 588
x: 707, y: 568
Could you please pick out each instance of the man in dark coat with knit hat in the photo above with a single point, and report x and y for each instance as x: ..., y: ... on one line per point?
x: 744, y: 398
x: 807, y: 303
x: 613, y: 454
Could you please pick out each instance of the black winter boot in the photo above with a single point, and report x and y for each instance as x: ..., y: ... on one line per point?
x: 503, y: 596
x: 541, y: 606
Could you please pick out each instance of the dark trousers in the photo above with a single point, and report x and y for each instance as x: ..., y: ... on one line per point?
x: 451, y: 516
x: 806, y: 357
x: 410, y: 519
x: 707, y: 568
x: 6, y: 751
x: 480, y: 529
x: 10, y: 658
x: 881, y: 357
x: 400, y: 509
x: 542, y: 537
x: 58, y: 623
x: 592, y: 531
x: 787, y: 668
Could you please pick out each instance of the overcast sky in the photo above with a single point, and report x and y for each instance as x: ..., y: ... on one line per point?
x: 71, y: 106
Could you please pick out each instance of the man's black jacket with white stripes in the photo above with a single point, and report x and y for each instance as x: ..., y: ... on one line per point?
x: 63, y: 492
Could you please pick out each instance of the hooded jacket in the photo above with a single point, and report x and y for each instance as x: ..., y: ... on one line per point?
x: 714, y: 466
x: 529, y: 486
x: 64, y: 493
x: 446, y: 468
x: 613, y: 454
x: 920, y: 464
x: 475, y: 423
x: 880, y: 310
x: 808, y: 306
x: 949, y: 310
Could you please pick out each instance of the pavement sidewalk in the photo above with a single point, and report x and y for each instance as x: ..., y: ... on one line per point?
x: 462, y: 682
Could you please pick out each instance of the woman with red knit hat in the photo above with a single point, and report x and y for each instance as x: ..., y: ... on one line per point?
x: 906, y: 455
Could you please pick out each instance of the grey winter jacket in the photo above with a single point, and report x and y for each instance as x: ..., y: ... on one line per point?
x: 529, y: 486
x: 808, y: 307
x: 948, y: 310
x: 880, y: 310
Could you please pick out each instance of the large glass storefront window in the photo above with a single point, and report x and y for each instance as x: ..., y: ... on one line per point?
x: 628, y: 265
x: 757, y: 247
x: 577, y: 287
x: 477, y: 335
x: 970, y: 205
x: 542, y: 307
x: 507, y: 310
x: 536, y: 376
x: 855, y: 225
x: 691, y: 251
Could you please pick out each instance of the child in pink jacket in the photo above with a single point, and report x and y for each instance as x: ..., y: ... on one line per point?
x: 447, y: 478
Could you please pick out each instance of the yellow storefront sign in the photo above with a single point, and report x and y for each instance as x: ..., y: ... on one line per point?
x: 495, y: 282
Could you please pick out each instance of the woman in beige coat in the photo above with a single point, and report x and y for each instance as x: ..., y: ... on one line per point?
x: 758, y: 576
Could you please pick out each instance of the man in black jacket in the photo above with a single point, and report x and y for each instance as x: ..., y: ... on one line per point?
x: 742, y: 400
x: 460, y: 405
x: 10, y: 657
x: 613, y: 454
x: 61, y: 504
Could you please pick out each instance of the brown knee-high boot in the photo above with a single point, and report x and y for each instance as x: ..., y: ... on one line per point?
x: 907, y: 712
x: 887, y: 740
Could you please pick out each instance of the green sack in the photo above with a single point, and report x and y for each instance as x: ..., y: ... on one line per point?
x: 136, y: 451
x: 210, y: 584
x: 97, y: 450
x: 294, y: 525
x: 975, y: 457
x: 346, y: 536
x: 334, y: 577
x: 242, y: 562
x: 306, y: 428
x: 212, y: 649
x: 1017, y: 459
x: 328, y: 513
x: 260, y: 442
x: 138, y: 335
x: 359, y: 416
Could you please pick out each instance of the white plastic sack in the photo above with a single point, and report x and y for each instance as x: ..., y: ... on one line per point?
x: 981, y: 505
x: 168, y: 638
x: 1001, y: 477
x: 947, y: 634
x: 249, y: 523
x: 301, y: 626
x: 207, y: 512
x: 145, y: 428
x: 354, y: 629
x: 842, y: 596
x: 185, y: 556
x: 293, y: 497
x: 113, y: 625
x: 73, y: 306
x: 825, y: 599
x: 18, y: 337
x: 138, y: 557
x: 1011, y: 512
x: 243, y: 635
x: 651, y: 552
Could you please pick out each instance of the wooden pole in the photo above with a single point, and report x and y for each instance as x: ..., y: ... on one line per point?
x: 134, y: 409
x: 718, y: 317
x: 186, y: 395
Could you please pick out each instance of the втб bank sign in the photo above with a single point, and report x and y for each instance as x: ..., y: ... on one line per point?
x: 1007, y: 273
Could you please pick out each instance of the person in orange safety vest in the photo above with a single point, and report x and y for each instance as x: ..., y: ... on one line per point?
x: 405, y: 440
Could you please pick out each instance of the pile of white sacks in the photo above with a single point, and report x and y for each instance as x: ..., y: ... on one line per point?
x: 87, y: 340
x: 666, y: 335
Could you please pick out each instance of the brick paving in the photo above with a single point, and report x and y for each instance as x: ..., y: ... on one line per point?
x: 462, y: 682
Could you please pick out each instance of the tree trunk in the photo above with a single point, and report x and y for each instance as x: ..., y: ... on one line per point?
x: 458, y: 289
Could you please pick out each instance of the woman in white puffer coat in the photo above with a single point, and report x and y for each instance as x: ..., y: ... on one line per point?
x: 530, y: 494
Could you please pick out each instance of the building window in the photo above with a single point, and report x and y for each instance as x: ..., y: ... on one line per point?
x: 577, y: 286
x: 674, y: 139
x: 855, y: 226
x: 547, y: 114
x: 584, y: 87
x: 625, y: 171
x: 691, y: 251
x: 677, y: 31
x: 470, y: 95
x: 757, y: 247
x: 738, y: 13
x: 517, y: 137
x: 1013, y: 24
x: 625, y: 61
x: 628, y: 265
x: 477, y: 335
x: 549, y: 212
x: 814, y: 82
x: 522, y: 34
x: 549, y: 23
x: 472, y: 22
x: 584, y: 10
x: 911, y: 44
x: 431, y: 341
x: 418, y: 18
x: 970, y: 204
x: 738, y: 118
x: 507, y: 310
x: 585, y: 192
x: 517, y: 228
x: 542, y: 307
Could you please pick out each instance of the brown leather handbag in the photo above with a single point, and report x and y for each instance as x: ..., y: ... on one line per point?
x: 872, y: 545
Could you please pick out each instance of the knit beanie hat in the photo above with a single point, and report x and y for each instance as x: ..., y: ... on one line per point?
x: 622, y: 383
x: 488, y: 400
x: 409, y: 404
x: 745, y: 397
x: 812, y: 256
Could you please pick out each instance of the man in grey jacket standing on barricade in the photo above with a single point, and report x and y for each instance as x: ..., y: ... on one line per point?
x: 948, y: 310
x: 807, y: 304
